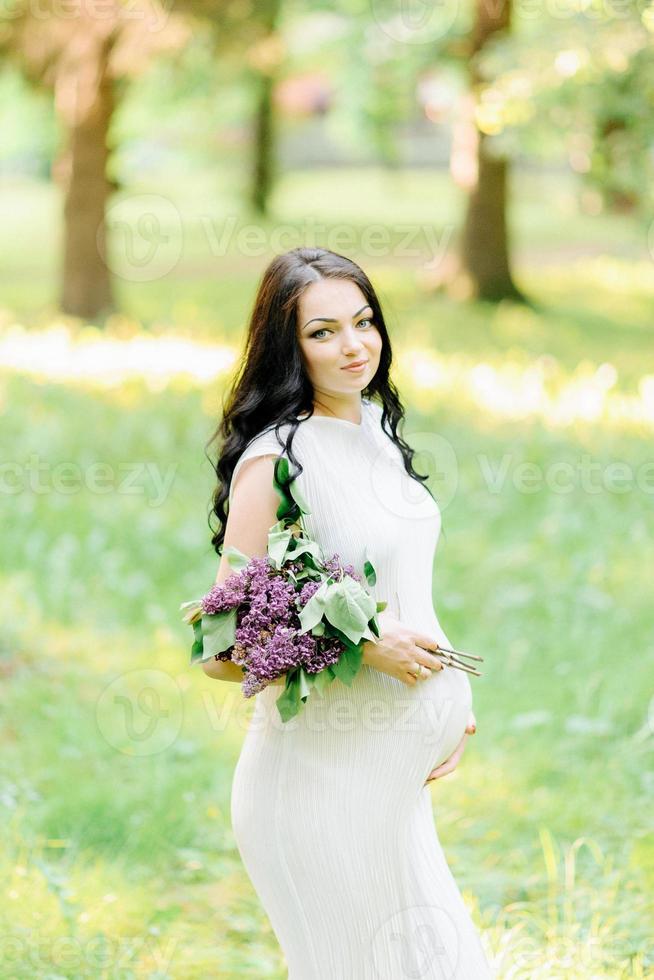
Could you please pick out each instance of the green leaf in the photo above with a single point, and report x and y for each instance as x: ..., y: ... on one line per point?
x: 288, y: 703
x: 316, y: 568
x: 322, y: 680
x: 218, y: 632
x: 304, y: 546
x: 299, y: 499
x: 369, y: 571
x: 193, y: 610
x: 304, y: 684
x: 292, y: 499
x: 198, y: 648
x: 368, y: 603
x: 298, y: 688
x: 278, y: 541
x: 381, y: 605
x: 349, y: 607
x: 354, y: 655
x: 343, y: 670
x: 314, y: 610
x: 349, y: 662
x: 367, y: 634
x: 287, y: 508
x: 281, y: 471
x: 236, y: 558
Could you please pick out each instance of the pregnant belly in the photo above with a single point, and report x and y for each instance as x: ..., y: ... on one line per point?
x: 378, y: 731
x: 442, y: 705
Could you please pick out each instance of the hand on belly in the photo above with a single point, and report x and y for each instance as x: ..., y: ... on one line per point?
x: 451, y: 763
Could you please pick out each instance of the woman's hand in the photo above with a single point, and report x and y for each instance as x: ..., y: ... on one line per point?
x: 399, y: 649
x: 453, y: 761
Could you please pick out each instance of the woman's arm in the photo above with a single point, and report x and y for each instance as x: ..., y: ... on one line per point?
x: 252, y: 512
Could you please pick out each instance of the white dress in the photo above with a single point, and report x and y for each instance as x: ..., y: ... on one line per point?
x: 330, y: 810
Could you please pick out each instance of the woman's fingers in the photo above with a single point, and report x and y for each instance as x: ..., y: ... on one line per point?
x: 449, y: 764
x: 452, y: 762
x: 412, y: 677
x: 441, y: 771
x: 423, y: 644
x: 446, y: 767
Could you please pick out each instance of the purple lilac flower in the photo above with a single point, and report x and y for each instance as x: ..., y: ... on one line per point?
x: 326, y: 652
x: 267, y: 639
x: 229, y: 595
x: 307, y: 591
x: 277, y: 651
x: 333, y: 565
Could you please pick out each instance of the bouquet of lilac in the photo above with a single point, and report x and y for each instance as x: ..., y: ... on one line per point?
x: 291, y: 612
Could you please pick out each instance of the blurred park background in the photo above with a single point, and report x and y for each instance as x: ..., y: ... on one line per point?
x: 490, y: 167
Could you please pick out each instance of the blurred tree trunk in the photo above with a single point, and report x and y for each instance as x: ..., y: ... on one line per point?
x: 86, y: 57
x: 609, y: 152
x: 85, y: 97
x: 484, y: 245
x: 263, y: 144
x: 265, y: 57
x: 480, y: 266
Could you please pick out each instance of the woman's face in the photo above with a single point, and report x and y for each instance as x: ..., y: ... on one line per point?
x: 335, y: 329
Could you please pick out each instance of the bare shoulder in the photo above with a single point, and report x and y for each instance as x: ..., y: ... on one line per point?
x: 253, y: 494
x: 252, y: 511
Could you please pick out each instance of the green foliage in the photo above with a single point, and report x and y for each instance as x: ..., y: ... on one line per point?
x: 574, y: 85
x: 129, y: 839
x: 28, y: 126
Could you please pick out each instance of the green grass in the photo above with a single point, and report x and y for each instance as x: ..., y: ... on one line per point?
x: 592, y: 282
x: 117, y: 759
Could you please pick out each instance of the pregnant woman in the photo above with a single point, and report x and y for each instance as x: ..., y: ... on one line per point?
x: 331, y: 810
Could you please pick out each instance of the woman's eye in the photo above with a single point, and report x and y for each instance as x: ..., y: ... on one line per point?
x: 324, y: 329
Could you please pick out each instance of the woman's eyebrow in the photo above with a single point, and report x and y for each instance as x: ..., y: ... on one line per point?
x: 330, y: 319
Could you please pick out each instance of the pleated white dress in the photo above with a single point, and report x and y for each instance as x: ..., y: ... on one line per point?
x: 330, y: 811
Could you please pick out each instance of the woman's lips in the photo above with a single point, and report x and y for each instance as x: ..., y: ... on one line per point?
x: 355, y: 367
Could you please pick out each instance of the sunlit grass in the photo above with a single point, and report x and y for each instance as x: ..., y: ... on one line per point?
x: 81, y: 918
x: 116, y: 845
x: 574, y: 929
x: 515, y: 386
x: 547, y: 586
x: 94, y: 357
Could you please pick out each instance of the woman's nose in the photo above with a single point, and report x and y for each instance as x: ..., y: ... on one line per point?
x: 351, y: 341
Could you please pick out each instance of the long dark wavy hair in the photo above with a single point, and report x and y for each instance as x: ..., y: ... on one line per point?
x: 271, y: 385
